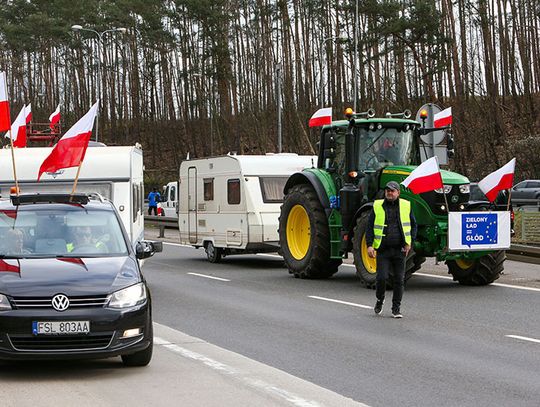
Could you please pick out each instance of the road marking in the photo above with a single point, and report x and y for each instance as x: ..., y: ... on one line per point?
x: 179, y: 245
x: 212, y: 277
x: 517, y: 287
x: 340, y: 302
x: 228, y: 370
x: 523, y: 338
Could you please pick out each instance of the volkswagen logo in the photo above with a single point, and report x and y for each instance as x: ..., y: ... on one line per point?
x: 455, y: 198
x: 60, y: 302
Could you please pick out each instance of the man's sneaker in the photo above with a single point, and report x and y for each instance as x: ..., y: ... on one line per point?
x: 397, y: 314
x: 378, y: 307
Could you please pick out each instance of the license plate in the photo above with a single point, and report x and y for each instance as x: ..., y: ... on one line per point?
x: 60, y: 327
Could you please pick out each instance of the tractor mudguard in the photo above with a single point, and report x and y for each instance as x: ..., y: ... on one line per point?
x: 306, y: 177
x: 350, y: 230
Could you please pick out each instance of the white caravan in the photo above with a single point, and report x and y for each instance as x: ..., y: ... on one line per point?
x: 231, y: 204
x: 116, y: 173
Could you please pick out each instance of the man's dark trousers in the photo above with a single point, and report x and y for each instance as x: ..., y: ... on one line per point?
x: 391, y: 260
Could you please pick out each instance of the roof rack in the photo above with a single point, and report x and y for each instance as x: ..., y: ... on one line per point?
x: 25, y: 199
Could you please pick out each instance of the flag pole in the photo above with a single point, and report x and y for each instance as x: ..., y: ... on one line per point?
x: 76, y: 178
x: 509, y: 196
x: 13, y: 162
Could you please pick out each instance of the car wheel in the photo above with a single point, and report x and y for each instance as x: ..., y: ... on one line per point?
x: 141, y: 358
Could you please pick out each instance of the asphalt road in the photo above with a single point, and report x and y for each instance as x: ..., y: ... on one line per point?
x: 456, y: 346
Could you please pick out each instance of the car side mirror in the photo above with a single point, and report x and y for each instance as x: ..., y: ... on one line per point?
x: 146, y: 248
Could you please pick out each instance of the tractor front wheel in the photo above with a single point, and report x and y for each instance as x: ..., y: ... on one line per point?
x: 304, y: 235
x: 482, y: 271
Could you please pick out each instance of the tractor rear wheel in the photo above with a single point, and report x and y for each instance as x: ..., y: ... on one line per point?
x: 304, y: 235
x: 366, y: 267
x: 481, y: 271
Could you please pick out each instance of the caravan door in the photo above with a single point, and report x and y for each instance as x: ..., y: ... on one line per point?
x: 192, y: 204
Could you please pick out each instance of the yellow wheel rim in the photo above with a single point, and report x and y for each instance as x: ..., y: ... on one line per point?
x: 464, y: 264
x: 369, y: 263
x: 298, y: 232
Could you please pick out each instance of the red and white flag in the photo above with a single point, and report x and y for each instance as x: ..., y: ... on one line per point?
x: 10, y: 266
x: 71, y: 148
x: 321, y: 117
x: 5, y: 119
x: 18, y: 130
x: 499, y: 180
x: 443, y: 118
x: 426, y: 177
x: 54, y: 117
x: 28, y: 110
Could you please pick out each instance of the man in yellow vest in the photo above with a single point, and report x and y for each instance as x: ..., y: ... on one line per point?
x: 389, y: 235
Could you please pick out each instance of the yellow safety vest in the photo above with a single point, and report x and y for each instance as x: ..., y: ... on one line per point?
x: 378, y: 225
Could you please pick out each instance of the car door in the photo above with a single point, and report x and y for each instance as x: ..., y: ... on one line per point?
x: 519, y: 191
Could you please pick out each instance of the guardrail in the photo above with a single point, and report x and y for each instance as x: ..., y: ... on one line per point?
x: 162, y: 222
x: 518, y: 252
x: 527, y: 254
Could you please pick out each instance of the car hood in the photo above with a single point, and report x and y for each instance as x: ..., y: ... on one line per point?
x: 70, y: 276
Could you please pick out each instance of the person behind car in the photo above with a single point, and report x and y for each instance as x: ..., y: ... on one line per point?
x: 153, y: 198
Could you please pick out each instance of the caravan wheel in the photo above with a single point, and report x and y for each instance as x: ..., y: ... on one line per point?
x: 213, y: 254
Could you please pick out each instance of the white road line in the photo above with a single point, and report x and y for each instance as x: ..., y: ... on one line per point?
x: 517, y: 287
x: 340, y: 302
x: 523, y: 338
x: 179, y: 245
x: 212, y: 277
x: 230, y: 371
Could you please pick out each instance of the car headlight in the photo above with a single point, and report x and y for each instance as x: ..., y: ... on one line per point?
x: 4, y: 303
x: 128, y: 297
x: 447, y: 189
x: 465, y: 188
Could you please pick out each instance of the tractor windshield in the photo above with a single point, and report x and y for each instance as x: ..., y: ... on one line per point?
x: 383, y: 147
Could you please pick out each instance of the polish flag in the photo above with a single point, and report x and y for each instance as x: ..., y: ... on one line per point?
x: 499, y: 180
x: 5, y: 119
x: 321, y: 117
x: 426, y: 177
x: 10, y: 266
x: 54, y: 117
x: 71, y: 148
x: 18, y: 129
x: 443, y: 118
x: 28, y: 110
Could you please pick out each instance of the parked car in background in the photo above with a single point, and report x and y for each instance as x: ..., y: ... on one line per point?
x: 526, y: 192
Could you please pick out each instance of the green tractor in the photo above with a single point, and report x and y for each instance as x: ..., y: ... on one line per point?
x: 325, y: 210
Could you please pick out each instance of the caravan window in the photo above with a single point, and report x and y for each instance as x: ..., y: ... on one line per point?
x: 272, y: 188
x: 208, y: 184
x: 172, y: 193
x: 233, y: 191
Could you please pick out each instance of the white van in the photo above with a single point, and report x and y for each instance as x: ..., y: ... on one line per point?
x: 169, y: 199
x: 231, y: 204
x: 116, y: 173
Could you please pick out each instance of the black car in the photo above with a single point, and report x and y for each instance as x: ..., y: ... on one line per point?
x: 70, y: 282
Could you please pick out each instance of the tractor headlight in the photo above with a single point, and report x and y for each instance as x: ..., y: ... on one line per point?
x: 128, y: 297
x: 446, y: 189
x: 465, y: 188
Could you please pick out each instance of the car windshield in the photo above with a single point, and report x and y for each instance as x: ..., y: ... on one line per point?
x: 383, y: 147
x: 476, y: 193
x: 73, y: 231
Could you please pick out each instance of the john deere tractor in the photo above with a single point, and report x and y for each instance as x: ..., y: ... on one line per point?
x: 325, y: 210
